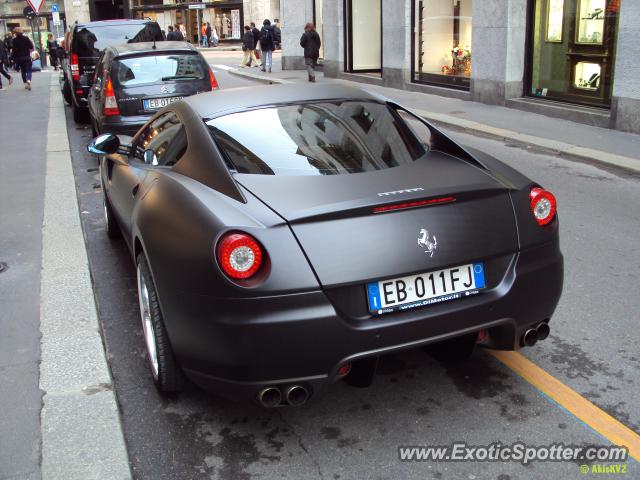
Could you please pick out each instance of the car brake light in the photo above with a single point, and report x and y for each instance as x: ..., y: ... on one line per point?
x: 416, y: 204
x: 75, y: 66
x: 239, y: 255
x: 543, y: 205
x: 212, y: 79
x: 110, y: 102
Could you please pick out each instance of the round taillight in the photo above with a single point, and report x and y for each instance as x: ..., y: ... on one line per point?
x: 239, y: 255
x: 543, y: 205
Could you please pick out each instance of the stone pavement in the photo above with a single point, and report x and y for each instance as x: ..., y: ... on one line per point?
x: 530, y: 130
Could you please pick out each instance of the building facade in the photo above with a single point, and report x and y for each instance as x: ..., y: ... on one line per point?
x: 573, y: 59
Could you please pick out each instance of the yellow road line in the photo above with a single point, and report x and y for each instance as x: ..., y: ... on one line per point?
x: 572, y: 401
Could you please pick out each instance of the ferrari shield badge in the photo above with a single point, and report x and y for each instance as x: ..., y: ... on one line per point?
x: 427, y: 242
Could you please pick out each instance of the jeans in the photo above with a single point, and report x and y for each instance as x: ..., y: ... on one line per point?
x: 204, y: 41
x: 267, y: 60
x: 25, y: 65
x: 311, y: 65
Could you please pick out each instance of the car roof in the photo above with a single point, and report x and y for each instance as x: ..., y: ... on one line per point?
x: 148, y: 47
x: 121, y: 21
x: 212, y: 104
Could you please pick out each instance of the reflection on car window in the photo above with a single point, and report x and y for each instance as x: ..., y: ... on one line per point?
x: 328, y: 138
x: 158, y: 137
x: 90, y: 41
x: 132, y: 71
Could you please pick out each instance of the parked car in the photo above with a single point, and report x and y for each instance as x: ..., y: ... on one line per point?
x: 285, y: 237
x: 135, y: 80
x: 84, y: 44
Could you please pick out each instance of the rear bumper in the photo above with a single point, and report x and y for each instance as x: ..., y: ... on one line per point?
x: 237, y: 346
x: 121, y: 125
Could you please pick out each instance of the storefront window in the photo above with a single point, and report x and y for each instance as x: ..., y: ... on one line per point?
x: 573, y: 50
x: 443, y: 42
x: 364, y: 23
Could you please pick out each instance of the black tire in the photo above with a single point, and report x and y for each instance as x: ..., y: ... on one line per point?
x: 80, y: 115
x: 113, y: 230
x: 167, y: 373
x: 66, y: 92
x: 454, y: 350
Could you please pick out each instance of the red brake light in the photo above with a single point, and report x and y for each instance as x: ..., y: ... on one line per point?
x: 75, y: 66
x: 543, y: 205
x: 239, y: 255
x: 212, y: 79
x: 110, y: 102
x: 418, y: 203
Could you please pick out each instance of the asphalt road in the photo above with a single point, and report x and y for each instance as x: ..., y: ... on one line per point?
x: 355, y: 433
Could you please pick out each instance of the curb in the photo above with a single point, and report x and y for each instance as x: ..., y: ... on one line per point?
x: 82, y: 435
x: 566, y: 150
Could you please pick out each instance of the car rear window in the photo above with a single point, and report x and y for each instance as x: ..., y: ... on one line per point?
x: 132, y: 71
x: 89, y: 41
x: 329, y: 138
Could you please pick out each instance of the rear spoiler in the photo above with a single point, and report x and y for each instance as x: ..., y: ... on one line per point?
x: 441, y: 141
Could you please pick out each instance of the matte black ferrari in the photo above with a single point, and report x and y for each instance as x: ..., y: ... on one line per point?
x: 287, y: 237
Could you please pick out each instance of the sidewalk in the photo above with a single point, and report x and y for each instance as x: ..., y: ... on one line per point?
x: 562, y: 137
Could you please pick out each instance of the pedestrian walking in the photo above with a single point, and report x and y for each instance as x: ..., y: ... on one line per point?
x: 52, y: 47
x: 21, y: 54
x: 213, y: 41
x: 203, y: 34
x: 207, y: 32
x: 247, y: 47
x: 4, y: 61
x: 8, y: 45
x: 171, y: 35
x: 182, y: 31
x: 256, y: 42
x: 310, y: 41
x: 277, y: 35
x: 267, y: 45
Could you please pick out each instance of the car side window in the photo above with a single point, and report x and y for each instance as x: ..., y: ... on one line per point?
x: 163, y: 141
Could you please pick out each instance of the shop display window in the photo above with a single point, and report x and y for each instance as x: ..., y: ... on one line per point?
x: 443, y: 42
x: 590, y: 20
x: 555, y: 20
x: 587, y: 76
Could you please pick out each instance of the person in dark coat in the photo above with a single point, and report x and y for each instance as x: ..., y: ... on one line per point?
x: 277, y: 35
x: 310, y: 41
x: 256, y: 42
x: 52, y: 48
x: 248, y: 47
x: 4, y: 60
x: 21, y: 53
x: 267, y: 45
x: 178, y: 33
x: 171, y: 35
x: 208, y: 32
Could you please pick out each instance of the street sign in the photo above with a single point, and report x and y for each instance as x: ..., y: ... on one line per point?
x: 196, y: 6
x: 36, y: 5
x: 29, y: 13
x: 56, y: 18
x: 54, y: 8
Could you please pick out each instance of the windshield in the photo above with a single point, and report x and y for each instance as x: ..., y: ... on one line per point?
x: 90, y: 41
x: 328, y: 138
x: 132, y: 71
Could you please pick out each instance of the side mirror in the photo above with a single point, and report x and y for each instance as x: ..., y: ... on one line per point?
x: 104, y: 144
x: 150, y: 158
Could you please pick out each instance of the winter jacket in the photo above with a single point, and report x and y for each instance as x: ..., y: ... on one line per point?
x: 310, y: 41
x: 247, y: 41
x: 277, y: 36
x: 267, y: 38
x: 256, y: 36
x: 208, y: 32
x: 22, y: 47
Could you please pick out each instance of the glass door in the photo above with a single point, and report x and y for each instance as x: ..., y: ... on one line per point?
x: 363, y: 31
x: 572, y: 58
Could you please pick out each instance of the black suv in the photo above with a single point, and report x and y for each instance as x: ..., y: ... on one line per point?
x: 135, y: 80
x: 85, y: 43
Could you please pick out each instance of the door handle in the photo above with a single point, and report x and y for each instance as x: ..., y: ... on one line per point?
x: 135, y: 190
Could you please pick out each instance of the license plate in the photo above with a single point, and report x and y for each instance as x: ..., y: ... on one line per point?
x: 425, y: 288
x: 157, y: 103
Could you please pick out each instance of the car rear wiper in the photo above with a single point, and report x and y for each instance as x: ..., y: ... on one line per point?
x: 180, y: 77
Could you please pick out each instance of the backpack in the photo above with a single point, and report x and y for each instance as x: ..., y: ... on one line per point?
x: 266, y: 38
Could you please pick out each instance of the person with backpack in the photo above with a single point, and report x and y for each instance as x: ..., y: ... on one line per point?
x: 267, y: 45
x: 310, y: 41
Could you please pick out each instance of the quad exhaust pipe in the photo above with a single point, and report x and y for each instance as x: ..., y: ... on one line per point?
x: 532, y: 335
x: 294, y: 395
